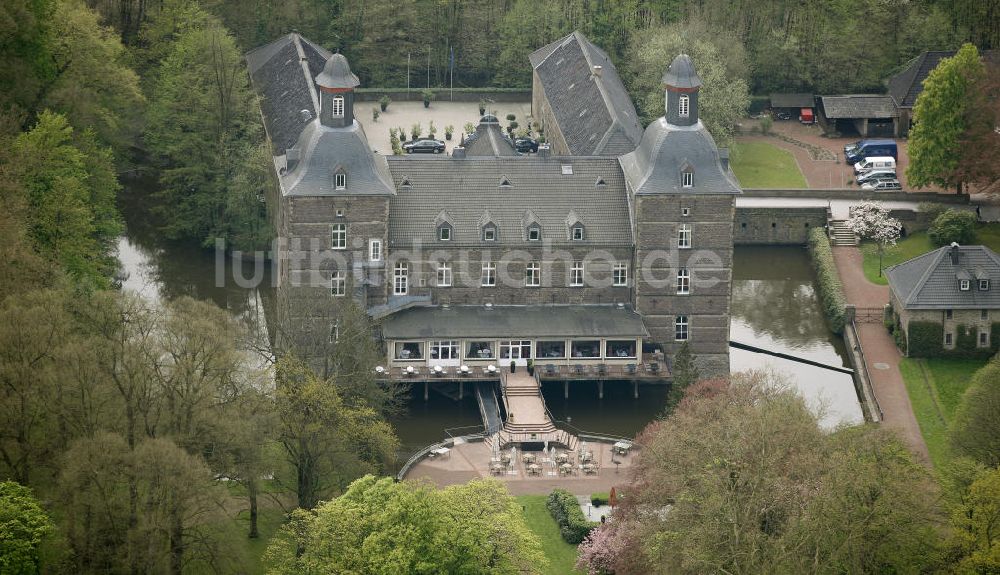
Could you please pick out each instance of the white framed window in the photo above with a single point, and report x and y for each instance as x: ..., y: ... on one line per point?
x: 489, y: 274
x: 375, y: 250
x: 534, y: 233
x: 683, y: 281
x: 337, y: 110
x: 338, y: 237
x: 984, y: 285
x: 947, y: 340
x: 576, y: 274
x: 444, y: 274
x: 338, y: 284
x: 619, y: 276
x: 489, y: 234
x: 681, y: 328
x: 444, y: 233
x: 685, y: 212
x: 687, y: 179
x: 684, y: 106
x: 984, y: 339
x: 684, y: 236
x: 963, y: 285
x: 340, y: 180
x: 447, y: 349
x: 400, y: 279
x: 577, y: 233
x: 532, y: 274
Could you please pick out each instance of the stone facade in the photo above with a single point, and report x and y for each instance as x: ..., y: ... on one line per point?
x: 542, y: 113
x: 776, y: 226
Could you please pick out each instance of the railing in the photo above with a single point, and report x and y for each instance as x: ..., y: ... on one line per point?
x: 864, y: 380
x: 869, y: 314
x: 588, y: 435
x: 423, y: 452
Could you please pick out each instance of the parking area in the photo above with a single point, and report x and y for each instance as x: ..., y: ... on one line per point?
x: 442, y: 113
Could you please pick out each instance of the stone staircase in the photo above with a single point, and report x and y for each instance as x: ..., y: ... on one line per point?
x: 841, y: 235
x: 534, y: 423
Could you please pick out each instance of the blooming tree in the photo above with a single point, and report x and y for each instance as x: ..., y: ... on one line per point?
x: 871, y: 221
x: 602, y: 550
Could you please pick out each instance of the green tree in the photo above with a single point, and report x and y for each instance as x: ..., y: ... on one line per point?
x: 379, y: 526
x: 684, y: 373
x: 940, y: 119
x: 24, y: 525
x: 975, y: 537
x: 721, y: 65
x: 773, y: 493
x: 975, y: 429
x: 953, y: 226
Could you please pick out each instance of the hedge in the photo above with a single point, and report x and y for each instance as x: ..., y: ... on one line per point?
x: 831, y: 291
x: 598, y: 499
x: 565, y: 509
x: 926, y: 339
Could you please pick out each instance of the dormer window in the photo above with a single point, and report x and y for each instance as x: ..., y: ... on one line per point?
x: 444, y: 233
x: 405, y: 184
x: 687, y: 179
x: 340, y: 180
x: 504, y: 182
x: 963, y: 285
x: 337, y: 110
x: 489, y: 234
x: 600, y: 183
x: 984, y: 285
x: 578, y: 233
x: 534, y: 233
x: 683, y: 106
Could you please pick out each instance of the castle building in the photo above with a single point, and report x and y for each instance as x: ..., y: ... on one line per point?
x: 487, y: 256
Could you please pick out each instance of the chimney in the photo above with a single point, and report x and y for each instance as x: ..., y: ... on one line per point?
x: 544, y: 151
x: 598, y: 70
x: 458, y: 152
x: 724, y: 159
x: 954, y: 253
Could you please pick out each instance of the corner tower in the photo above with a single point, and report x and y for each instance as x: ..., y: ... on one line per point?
x: 336, y: 84
x: 683, y: 197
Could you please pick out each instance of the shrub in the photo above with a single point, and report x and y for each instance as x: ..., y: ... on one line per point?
x: 565, y: 509
x: 416, y: 130
x: 427, y: 95
x: 511, y: 117
x: 375, y: 114
x: 470, y: 128
x: 384, y: 102
x: 432, y: 129
x: 765, y: 125
x: 953, y: 226
x: 598, y: 499
x: 831, y: 291
x: 925, y: 339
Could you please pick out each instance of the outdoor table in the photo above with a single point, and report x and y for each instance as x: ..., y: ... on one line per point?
x: 622, y: 447
x: 528, y: 458
x: 589, y: 468
x: 586, y: 456
x: 565, y: 468
x: 491, y: 368
x: 380, y: 370
x: 440, y: 451
x: 505, y: 457
x: 534, y: 469
x: 409, y: 369
x: 496, y: 468
x: 465, y: 369
x: 438, y: 369
x: 562, y: 458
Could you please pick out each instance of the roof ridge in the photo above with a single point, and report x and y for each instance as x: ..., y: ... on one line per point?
x: 938, y: 254
x: 304, y: 64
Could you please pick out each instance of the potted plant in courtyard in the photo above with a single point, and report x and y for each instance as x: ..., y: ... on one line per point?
x: 432, y: 130
x: 470, y: 128
x: 428, y: 96
x: 416, y: 130
x: 513, y: 366
x: 448, y: 131
x: 482, y: 107
x: 384, y: 102
x: 531, y: 367
x: 375, y: 114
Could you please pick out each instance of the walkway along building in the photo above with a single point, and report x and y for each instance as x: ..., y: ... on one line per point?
x: 487, y: 256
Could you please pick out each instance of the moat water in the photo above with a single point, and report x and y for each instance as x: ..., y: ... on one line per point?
x: 774, y: 306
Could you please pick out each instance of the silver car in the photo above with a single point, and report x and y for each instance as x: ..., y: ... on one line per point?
x: 877, y: 175
x: 883, y: 186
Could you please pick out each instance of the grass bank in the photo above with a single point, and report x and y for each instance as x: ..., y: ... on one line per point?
x: 935, y: 387
x: 915, y: 245
x: 561, y: 555
x: 763, y: 165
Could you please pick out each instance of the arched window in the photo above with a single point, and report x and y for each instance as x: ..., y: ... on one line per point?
x: 337, y: 111
x: 340, y: 180
x: 683, y: 106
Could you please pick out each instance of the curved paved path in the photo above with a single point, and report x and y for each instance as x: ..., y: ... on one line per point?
x: 880, y: 348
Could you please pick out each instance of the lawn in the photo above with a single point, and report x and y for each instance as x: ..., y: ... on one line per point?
x: 241, y: 554
x: 915, y: 245
x: 762, y: 165
x: 561, y: 555
x: 935, y: 387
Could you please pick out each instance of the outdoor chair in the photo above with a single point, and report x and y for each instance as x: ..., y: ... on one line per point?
x: 654, y: 367
x: 550, y: 369
x: 630, y: 369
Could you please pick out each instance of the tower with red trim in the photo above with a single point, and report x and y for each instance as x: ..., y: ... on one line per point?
x: 680, y: 88
x: 336, y: 93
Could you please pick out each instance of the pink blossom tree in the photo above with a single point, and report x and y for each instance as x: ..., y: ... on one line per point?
x: 871, y: 221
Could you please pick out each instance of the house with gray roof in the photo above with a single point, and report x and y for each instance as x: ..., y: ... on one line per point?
x: 579, y: 100
x: 614, y: 256
x: 870, y: 115
x: 948, y: 300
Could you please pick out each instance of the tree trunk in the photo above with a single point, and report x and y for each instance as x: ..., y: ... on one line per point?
x: 176, y: 542
x: 252, y: 494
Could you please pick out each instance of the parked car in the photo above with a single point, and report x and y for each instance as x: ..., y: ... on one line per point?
x: 882, y: 185
x: 525, y: 145
x: 424, y: 146
x: 868, y: 148
x: 876, y: 175
x: 875, y: 163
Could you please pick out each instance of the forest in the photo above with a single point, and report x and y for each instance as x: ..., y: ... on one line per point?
x: 137, y: 438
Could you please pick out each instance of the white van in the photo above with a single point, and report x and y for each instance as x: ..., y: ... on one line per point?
x: 875, y: 163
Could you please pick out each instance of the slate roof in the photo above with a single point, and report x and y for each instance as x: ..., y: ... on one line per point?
x: 681, y: 74
x: 793, y: 101
x: 655, y: 166
x: 337, y: 74
x: 859, y: 106
x: 282, y: 73
x: 595, y: 114
x: 324, y: 150
x: 470, y: 187
x: 906, y: 85
x: 555, y: 321
x: 488, y: 140
x: 931, y: 281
